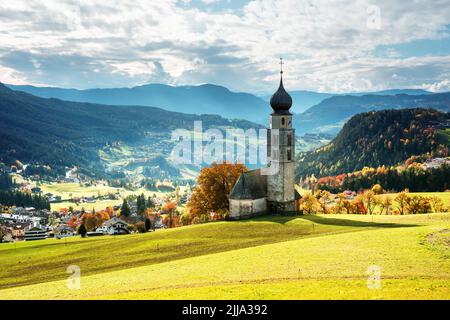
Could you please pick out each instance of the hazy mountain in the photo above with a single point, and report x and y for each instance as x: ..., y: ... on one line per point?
x: 203, y: 99
x: 385, y: 137
x: 96, y: 138
x: 303, y: 100
x: 330, y: 115
x: 208, y: 98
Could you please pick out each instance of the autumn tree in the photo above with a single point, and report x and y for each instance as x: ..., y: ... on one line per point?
x: 341, y: 204
x: 169, y: 209
x: 323, y: 198
x: 358, y: 205
x: 418, y: 204
x: 348, y: 206
x: 377, y: 189
x: 213, y: 188
x: 437, y: 204
x: 308, y: 203
x: 386, y: 204
x: 402, y: 201
x: 370, y: 201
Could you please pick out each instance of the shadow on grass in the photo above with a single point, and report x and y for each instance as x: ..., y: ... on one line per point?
x: 330, y: 221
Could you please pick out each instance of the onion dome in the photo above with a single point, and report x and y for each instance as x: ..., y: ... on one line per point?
x: 281, y: 101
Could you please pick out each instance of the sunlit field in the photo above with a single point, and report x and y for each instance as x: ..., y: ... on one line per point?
x: 303, y: 257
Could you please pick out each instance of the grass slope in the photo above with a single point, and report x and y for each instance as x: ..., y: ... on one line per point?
x: 265, y: 258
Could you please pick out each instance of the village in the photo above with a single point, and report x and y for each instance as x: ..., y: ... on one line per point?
x: 73, y: 201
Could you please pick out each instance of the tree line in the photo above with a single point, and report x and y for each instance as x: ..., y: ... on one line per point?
x: 23, y: 199
x: 370, y: 202
x: 413, y: 177
x: 6, y: 181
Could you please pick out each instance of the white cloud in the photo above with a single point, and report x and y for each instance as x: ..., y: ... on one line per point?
x: 327, y: 45
x: 440, y: 86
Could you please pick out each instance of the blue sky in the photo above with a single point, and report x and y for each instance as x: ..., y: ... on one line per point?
x: 328, y: 46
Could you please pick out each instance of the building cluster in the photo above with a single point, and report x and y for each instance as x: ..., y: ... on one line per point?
x: 435, y: 163
x: 18, y: 224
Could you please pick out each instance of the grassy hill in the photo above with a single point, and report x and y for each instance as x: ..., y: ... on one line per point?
x: 265, y: 258
x: 376, y: 138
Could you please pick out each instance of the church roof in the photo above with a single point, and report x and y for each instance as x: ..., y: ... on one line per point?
x: 281, y: 101
x: 250, y: 185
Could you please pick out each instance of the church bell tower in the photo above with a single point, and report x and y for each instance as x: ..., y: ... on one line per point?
x: 281, y: 153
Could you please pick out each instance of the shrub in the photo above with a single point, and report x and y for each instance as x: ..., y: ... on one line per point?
x: 185, y: 219
x: 140, y: 227
x: 82, y: 231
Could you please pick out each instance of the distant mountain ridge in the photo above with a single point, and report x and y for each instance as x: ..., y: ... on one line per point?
x: 202, y: 99
x: 331, y: 114
x: 376, y: 138
x: 303, y: 99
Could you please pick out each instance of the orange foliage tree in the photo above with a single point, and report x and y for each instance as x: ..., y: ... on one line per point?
x: 213, y: 188
x: 169, y: 209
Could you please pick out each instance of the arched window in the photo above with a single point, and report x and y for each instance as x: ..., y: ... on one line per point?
x: 282, y: 121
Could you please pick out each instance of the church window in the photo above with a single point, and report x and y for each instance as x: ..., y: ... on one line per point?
x: 275, y: 154
x: 289, y: 155
x: 289, y: 140
x: 282, y: 121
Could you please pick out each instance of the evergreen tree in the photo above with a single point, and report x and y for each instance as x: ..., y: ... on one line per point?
x: 82, y: 230
x: 148, y: 224
x: 125, y: 210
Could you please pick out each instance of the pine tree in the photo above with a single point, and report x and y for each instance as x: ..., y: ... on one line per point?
x: 125, y: 210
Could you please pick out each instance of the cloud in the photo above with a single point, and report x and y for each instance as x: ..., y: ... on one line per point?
x: 440, y: 86
x: 327, y: 45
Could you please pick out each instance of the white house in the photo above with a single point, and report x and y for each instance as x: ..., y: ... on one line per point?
x: 116, y: 226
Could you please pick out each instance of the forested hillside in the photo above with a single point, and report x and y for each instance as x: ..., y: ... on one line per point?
x: 331, y: 114
x: 378, y: 138
x: 64, y: 134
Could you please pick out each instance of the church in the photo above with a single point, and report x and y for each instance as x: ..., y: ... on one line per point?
x: 271, y: 190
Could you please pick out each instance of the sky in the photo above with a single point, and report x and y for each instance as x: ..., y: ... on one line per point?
x: 327, y: 46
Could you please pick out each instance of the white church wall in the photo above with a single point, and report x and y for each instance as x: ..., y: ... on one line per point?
x: 246, y: 208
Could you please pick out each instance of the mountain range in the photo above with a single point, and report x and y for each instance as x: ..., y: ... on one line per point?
x: 96, y: 138
x: 303, y: 100
x: 202, y: 99
x: 332, y: 113
x: 376, y: 138
x: 314, y: 111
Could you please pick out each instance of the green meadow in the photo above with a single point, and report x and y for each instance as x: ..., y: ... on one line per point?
x: 298, y: 257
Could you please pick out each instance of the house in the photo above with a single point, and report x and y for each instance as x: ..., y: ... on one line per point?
x: 103, y: 229
x: 18, y: 230
x: 64, y: 231
x: 116, y: 226
x: 35, y: 233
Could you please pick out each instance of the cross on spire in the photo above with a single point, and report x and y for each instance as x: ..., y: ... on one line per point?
x: 281, y: 65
